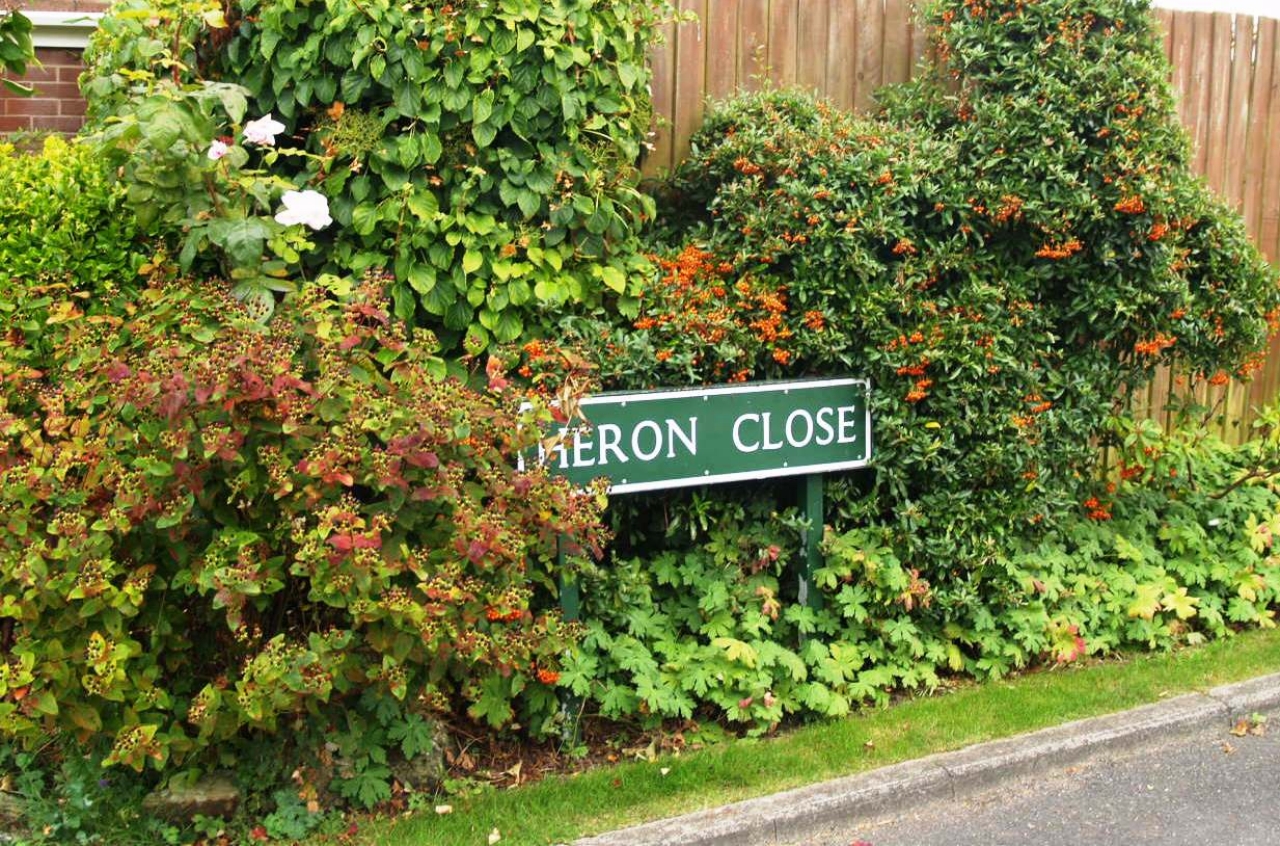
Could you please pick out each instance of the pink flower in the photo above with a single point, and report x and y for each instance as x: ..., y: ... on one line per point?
x: 263, y: 130
x: 217, y: 150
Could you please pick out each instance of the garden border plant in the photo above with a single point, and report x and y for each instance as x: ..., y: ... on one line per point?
x: 485, y: 153
x: 219, y: 524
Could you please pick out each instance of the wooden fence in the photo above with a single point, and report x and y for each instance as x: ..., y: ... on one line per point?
x: 1226, y: 72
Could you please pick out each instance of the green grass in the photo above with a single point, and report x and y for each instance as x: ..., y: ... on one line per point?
x: 560, y: 809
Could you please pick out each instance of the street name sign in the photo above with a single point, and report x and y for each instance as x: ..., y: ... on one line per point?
x: 661, y: 439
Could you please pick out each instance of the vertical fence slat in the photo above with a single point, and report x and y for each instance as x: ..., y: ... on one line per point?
x: 1259, y: 128
x: 1201, y: 85
x: 1242, y: 66
x: 870, y: 52
x: 811, y: 44
x: 691, y: 78
x: 897, y: 42
x: 663, y: 62
x: 1183, y: 45
x: 919, y: 36
x: 753, y: 43
x: 783, y: 22
x: 1215, y: 158
x: 1269, y: 230
x: 722, y: 48
x: 842, y: 28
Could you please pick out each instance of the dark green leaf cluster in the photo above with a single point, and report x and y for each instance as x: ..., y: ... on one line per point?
x: 16, y: 49
x: 484, y: 152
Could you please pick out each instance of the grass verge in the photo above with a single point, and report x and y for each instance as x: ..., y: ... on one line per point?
x: 560, y: 809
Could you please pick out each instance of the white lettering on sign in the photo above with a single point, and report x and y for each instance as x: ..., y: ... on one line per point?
x: 800, y: 414
x: 737, y: 433
x: 848, y: 423
x: 610, y: 437
x: 824, y: 423
x: 648, y: 440
x: 646, y: 426
x: 753, y: 432
x: 689, y: 440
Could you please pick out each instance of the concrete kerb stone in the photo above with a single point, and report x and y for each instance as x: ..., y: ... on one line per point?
x: 1248, y: 697
x: 977, y: 768
x: 793, y: 814
x: 759, y: 822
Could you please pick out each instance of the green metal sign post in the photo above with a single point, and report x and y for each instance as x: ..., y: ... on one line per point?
x: 657, y: 440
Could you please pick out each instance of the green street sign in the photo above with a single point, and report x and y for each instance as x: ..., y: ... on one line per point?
x: 676, y: 438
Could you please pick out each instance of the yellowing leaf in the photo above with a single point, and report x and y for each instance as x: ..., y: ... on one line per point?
x: 1146, y: 602
x: 736, y: 650
x: 1181, y: 604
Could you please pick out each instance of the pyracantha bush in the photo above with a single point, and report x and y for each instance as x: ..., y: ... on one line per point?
x: 211, y: 527
x: 1016, y: 243
x: 484, y: 152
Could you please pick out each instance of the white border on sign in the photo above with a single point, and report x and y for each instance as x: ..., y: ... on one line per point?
x: 748, y: 388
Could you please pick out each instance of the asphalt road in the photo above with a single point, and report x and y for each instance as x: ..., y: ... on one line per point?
x: 1209, y: 787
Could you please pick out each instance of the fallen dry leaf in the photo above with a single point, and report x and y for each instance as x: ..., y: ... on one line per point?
x: 1227, y: 748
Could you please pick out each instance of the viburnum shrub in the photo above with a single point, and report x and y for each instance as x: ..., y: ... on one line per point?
x: 484, y: 152
x: 211, y: 527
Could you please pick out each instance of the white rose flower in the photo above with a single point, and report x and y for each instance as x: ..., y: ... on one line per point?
x: 217, y: 150
x: 309, y: 208
x: 263, y: 130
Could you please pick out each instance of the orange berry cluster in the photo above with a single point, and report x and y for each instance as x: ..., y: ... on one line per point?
x: 1156, y: 345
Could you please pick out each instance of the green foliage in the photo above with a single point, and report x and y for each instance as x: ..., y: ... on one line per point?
x: 1016, y: 243
x: 214, y: 529
x: 16, y: 49
x: 64, y: 220
x: 697, y: 626
x: 694, y: 620
x: 184, y: 179
x: 291, y: 820
x: 484, y: 152
x: 68, y: 798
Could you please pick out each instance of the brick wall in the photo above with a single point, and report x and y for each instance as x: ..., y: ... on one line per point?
x: 56, y: 105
